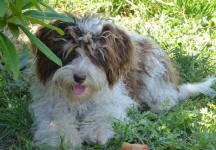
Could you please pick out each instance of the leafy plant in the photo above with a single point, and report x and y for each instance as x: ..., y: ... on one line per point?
x: 16, y: 15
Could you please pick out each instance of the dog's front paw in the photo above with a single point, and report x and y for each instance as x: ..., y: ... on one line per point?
x: 58, y: 134
x: 103, y: 135
x: 97, y: 134
x: 73, y: 140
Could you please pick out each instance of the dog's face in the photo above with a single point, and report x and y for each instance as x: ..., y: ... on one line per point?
x: 94, y: 52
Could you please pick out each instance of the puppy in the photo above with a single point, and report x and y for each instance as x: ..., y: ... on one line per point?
x: 105, y: 71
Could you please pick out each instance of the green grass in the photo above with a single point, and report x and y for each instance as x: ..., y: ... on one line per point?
x: 186, y: 29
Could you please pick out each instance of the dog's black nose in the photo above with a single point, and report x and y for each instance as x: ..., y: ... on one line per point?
x: 79, y: 77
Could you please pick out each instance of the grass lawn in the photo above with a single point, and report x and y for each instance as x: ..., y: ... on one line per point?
x: 186, y: 29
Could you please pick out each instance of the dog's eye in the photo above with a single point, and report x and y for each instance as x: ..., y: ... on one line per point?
x: 70, y: 57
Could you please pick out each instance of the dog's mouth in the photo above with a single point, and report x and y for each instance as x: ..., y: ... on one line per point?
x: 79, y: 89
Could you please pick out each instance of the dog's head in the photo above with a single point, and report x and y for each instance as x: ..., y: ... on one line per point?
x: 95, y: 53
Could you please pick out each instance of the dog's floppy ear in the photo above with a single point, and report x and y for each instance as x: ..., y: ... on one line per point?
x: 43, y: 65
x: 119, y: 52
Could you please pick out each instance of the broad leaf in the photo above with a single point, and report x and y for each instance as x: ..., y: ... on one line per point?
x: 9, y: 54
x: 3, y: 7
x: 18, y: 20
x: 47, y: 15
x: 19, y: 4
x: 42, y: 47
x: 47, y: 6
x: 2, y: 24
x: 25, y: 2
x: 36, y: 4
x: 14, y: 29
x: 12, y: 8
x: 27, y: 5
x: 33, y: 20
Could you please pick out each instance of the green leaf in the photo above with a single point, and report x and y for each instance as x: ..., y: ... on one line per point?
x: 25, y: 2
x: 19, y: 4
x: 27, y: 6
x: 47, y: 6
x: 42, y: 47
x: 12, y: 8
x: 36, y: 4
x: 17, y: 20
x: 47, y: 15
x: 3, y: 7
x: 2, y: 24
x: 14, y: 29
x: 33, y: 20
x: 10, y: 55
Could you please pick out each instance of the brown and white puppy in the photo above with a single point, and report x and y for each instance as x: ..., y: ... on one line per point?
x: 105, y: 70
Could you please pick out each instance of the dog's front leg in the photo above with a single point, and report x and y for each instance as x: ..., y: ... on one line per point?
x: 96, y: 129
x: 50, y: 131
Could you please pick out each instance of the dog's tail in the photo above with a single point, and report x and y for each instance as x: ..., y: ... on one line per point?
x: 188, y: 89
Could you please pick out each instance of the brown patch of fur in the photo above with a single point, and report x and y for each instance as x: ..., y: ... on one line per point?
x: 173, y: 75
x: 133, y: 80
x: 118, y: 53
x: 44, y: 66
x: 134, y: 84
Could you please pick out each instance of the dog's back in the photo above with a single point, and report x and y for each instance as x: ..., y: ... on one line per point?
x: 155, y: 81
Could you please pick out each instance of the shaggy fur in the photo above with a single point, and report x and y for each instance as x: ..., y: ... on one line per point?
x: 105, y: 71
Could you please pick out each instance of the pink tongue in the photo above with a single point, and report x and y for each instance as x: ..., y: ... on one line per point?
x: 79, y: 89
